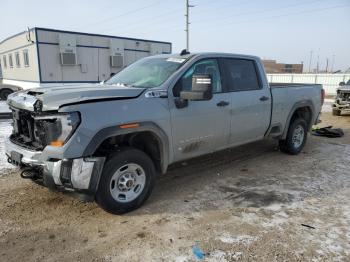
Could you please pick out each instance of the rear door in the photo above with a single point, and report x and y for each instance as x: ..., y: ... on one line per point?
x: 202, y: 126
x: 250, y: 100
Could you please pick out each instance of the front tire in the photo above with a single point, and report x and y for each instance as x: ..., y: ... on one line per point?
x: 296, y: 137
x: 5, y: 92
x: 126, y: 181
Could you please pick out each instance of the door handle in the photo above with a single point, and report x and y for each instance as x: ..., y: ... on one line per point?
x: 223, y: 103
x: 264, y: 98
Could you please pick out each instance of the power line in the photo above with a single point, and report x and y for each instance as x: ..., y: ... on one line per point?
x: 123, y: 14
x: 240, y: 14
x: 162, y: 14
x: 260, y: 19
x: 137, y: 22
x: 284, y: 15
x: 244, y: 2
x: 258, y: 12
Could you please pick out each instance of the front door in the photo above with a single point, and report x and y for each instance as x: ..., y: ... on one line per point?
x: 202, y: 126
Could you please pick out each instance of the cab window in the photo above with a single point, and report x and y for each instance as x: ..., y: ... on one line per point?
x: 206, y: 66
x: 241, y: 74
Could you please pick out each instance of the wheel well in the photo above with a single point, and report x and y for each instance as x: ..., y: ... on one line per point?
x: 304, y: 113
x: 3, y: 91
x: 145, y: 141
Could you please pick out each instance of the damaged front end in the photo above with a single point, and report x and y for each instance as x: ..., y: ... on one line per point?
x: 34, y: 134
x: 342, y: 100
x: 36, y: 130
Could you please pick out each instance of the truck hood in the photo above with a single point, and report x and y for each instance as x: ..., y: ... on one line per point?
x: 52, y: 98
x: 345, y: 88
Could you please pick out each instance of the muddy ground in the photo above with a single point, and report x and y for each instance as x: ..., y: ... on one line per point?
x: 244, y: 204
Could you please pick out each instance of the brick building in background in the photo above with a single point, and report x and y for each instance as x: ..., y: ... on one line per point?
x: 272, y: 67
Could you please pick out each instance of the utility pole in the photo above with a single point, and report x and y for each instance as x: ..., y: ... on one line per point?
x: 333, y: 60
x: 188, y: 25
x: 310, y: 61
x: 327, y: 65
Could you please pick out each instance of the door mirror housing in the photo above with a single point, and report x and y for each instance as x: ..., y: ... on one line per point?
x: 342, y: 84
x: 202, y: 89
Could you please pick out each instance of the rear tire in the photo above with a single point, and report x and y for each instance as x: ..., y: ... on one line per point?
x: 126, y: 181
x: 336, y: 112
x: 296, y: 137
x: 4, y: 93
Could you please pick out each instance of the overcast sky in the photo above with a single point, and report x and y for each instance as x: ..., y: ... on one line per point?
x: 283, y: 30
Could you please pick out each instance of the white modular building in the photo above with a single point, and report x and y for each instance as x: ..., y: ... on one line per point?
x: 44, y: 57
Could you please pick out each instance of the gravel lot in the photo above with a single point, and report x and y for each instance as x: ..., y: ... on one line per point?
x: 244, y: 204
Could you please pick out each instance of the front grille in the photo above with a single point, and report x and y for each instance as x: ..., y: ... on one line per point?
x: 24, y: 130
x: 345, y: 96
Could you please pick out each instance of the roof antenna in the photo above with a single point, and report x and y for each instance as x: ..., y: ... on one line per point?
x: 184, y: 52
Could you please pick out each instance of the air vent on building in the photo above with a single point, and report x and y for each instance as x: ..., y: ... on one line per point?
x: 68, y: 49
x: 156, y: 49
x: 116, y: 48
x: 68, y: 58
x: 117, y: 60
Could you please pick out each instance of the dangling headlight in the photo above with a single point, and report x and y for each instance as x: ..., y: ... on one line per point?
x: 55, y: 129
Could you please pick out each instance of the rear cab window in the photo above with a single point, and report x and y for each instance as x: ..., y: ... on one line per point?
x: 240, y: 74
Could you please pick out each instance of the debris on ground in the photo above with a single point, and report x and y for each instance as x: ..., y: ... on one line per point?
x: 197, y: 252
x: 328, y: 131
x: 305, y: 225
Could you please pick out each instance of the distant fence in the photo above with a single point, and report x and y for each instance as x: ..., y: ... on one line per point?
x: 330, y: 82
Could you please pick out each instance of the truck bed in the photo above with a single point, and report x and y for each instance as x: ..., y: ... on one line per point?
x: 285, y: 96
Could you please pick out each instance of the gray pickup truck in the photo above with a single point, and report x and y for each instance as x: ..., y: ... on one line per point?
x: 342, y: 99
x: 109, y: 141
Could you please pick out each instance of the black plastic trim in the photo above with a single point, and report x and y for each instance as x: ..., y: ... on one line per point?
x: 107, y: 132
x: 297, y: 105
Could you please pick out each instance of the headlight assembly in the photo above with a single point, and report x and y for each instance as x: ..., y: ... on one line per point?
x: 56, y: 129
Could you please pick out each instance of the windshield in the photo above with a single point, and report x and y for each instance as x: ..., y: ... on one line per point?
x: 348, y: 83
x: 148, y: 72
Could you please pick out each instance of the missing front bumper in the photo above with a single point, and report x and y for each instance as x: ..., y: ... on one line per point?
x: 82, y: 174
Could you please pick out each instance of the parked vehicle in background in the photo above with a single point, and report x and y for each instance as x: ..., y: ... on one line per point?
x: 110, y: 141
x: 342, y: 99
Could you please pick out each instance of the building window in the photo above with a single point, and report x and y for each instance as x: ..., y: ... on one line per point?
x: 4, y: 61
x: 18, y: 62
x: 25, y: 58
x: 10, y: 60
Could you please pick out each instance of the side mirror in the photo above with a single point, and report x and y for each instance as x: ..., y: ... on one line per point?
x: 342, y: 84
x: 202, y: 89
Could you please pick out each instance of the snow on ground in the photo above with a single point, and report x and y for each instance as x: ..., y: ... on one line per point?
x: 5, y: 131
x: 4, y: 107
x: 327, y: 106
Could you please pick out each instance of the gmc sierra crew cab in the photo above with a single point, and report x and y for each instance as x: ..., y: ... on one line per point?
x: 109, y: 141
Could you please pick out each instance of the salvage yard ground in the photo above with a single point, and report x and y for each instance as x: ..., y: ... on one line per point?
x: 251, y: 203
